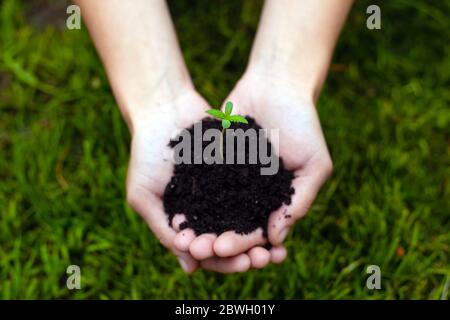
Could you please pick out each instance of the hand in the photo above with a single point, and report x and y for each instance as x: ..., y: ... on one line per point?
x: 149, y: 171
x: 278, y: 103
x: 150, y: 167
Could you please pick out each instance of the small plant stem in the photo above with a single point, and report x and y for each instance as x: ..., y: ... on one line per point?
x: 221, y: 144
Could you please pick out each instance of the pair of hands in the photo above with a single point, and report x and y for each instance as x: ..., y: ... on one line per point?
x: 275, y: 103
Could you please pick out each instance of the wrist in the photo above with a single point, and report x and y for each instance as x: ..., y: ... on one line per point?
x: 275, y: 75
x: 138, y: 103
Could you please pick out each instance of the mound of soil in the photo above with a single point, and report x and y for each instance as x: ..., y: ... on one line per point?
x: 221, y: 197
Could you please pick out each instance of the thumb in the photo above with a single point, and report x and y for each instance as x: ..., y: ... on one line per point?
x: 150, y: 207
x: 307, y: 184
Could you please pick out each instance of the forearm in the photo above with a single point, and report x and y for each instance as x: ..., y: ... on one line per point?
x: 138, y: 46
x: 295, y: 40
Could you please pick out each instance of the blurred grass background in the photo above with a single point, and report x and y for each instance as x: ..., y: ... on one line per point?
x: 64, y: 150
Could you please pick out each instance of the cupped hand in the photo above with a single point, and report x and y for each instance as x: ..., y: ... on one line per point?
x: 278, y: 103
x: 150, y: 169
x: 150, y: 166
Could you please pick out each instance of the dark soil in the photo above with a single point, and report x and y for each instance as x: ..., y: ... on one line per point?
x: 221, y: 197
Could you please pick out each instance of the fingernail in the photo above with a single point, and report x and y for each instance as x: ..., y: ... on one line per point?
x: 183, y: 264
x: 283, y: 234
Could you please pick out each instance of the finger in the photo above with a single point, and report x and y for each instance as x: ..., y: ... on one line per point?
x: 202, y: 246
x: 187, y: 263
x: 278, y: 254
x: 230, y: 243
x: 177, y: 220
x: 150, y: 207
x: 183, y: 239
x: 259, y: 257
x: 239, y: 263
x: 278, y: 228
x: 306, y: 184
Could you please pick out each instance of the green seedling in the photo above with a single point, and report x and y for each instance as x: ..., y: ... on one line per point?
x: 227, y: 118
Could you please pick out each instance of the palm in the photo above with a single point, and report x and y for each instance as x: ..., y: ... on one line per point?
x: 301, y: 145
x: 150, y: 167
x: 300, y: 134
x: 150, y: 154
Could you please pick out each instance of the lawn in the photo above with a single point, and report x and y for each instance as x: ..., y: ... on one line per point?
x: 64, y: 151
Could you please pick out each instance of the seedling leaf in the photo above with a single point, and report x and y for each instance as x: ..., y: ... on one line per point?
x: 216, y: 113
x: 238, y: 118
x: 228, y: 108
x: 226, y: 124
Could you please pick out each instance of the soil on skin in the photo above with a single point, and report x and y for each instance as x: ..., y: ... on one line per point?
x: 217, y: 198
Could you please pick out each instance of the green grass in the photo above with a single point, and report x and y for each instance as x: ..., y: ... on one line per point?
x: 64, y: 150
